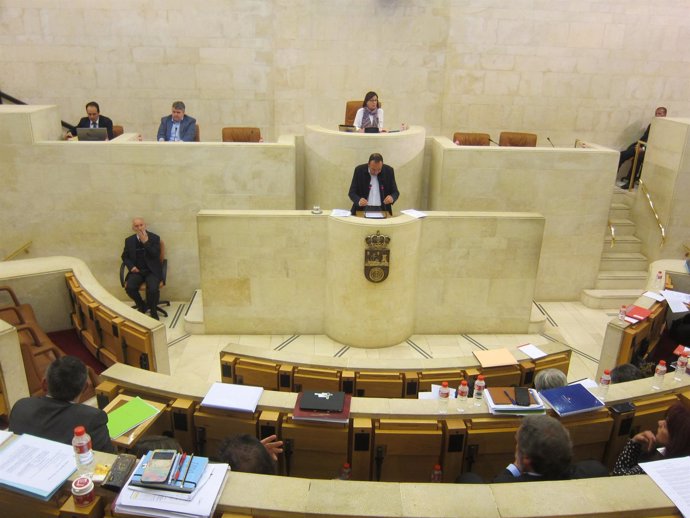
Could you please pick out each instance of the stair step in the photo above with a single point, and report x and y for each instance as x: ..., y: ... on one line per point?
x: 622, y: 196
x: 609, y: 299
x: 620, y: 279
x: 623, y: 226
x: 611, y: 261
x: 619, y: 211
x: 623, y: 244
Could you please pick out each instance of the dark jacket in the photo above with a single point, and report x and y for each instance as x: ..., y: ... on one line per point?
x: 152, y: 254
x: 103, y: 122
x: 361, y: 182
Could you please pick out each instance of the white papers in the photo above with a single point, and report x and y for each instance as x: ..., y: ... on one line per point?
x: 673, y: 478
x: 243, y: 398
x: 35, y: 466
x: 532, y: 351
x: 5, y: 435
x: 374, y: 215
x: 588, y: 383
x: 340, y: 213
x: 414, y: 213
x: 202, y: 505
x: 676, y: 300
x: 653, y: 295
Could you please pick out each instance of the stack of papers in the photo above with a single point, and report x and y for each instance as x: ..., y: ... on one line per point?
x: 495, y: 358
x: 36, y: 467
x: 501, y: 401
x: 201, y: 503
x: 228, y: 396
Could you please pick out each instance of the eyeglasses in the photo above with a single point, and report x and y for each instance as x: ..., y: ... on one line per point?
x: 373, y: 99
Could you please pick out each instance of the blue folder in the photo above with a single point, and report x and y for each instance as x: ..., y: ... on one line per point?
x: 571, y: 399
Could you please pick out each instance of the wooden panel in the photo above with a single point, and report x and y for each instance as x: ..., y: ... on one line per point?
x: 378, y: 384
x: 87, y: 308
x: 260, y: 373
x: 137, y: 349
x: 314, y: 450
x: 361, y: 448
x: 305, y: 378
x: 406, y: 450
x: 560, y: 361
x: 454, y: 439
x: 505, y: 376
x: 452, y: 376
x: 590, y: 433
x: 108, y: 329
x: 213, y: 425
x: 490, y: 445
x: 227, y: 367
x: 73, y: 288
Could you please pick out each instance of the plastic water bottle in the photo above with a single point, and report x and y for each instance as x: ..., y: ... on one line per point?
x: 479, y: 387
x: 345, y: 472
x: 621, y: 313
x: 659, y: 372
x: 443, y: 397
x: 463, y: 391
x: 83, y: 452
x: 604, y: 383
x: 681, y: 367
x: 659, y: 281
x: 437, y: 474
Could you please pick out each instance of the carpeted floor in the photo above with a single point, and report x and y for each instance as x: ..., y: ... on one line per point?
x: 68, y: 340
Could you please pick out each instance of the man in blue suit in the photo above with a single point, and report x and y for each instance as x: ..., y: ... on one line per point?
x: 177, y: 126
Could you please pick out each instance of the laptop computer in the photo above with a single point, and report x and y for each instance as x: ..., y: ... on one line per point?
x: 373, y: 129
x: 324, y: 401
x: 92, y: 134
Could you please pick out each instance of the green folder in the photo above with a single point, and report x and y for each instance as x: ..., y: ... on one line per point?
x: 127, y: 416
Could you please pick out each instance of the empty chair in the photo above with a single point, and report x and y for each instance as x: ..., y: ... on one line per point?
x: 241, y: 134
x: 515, y: 139
x: 471, y: 139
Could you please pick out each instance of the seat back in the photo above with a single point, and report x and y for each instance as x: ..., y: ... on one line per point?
x: 516, y: 139
x: 117, y: 130
x: 241, y: 134
x: 196, y: 133
x: 351, y: 108
x: 471, y: 139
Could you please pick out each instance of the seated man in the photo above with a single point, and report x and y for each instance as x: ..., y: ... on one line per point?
x: 625, y: 372
x: 55, y: 415
x: 373, y: 186
x: 247, y: 454
x: 94, y: 119
x: 629, y: 152
x: 141, y: 256
x: 177, y: 127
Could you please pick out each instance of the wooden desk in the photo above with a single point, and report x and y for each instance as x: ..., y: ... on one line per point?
x: 130, y: 438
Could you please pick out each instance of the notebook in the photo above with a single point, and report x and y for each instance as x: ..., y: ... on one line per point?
x: 92, y: 134
x: 324, y: 401
x: 571, y: 399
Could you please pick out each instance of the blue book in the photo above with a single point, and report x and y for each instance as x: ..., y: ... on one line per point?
x: 571, y: 399
x: 184, y: 476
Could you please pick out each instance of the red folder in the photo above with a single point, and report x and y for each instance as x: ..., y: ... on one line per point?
x: 637, y: 312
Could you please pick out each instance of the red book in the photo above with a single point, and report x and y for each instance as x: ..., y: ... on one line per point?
x: 342, y: 417
x: 637, y: 312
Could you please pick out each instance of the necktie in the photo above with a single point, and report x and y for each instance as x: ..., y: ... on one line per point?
x: 93, y: 124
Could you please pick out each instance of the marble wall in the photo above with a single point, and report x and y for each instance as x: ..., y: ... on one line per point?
x: 293, y: 272
x: 593, y: 70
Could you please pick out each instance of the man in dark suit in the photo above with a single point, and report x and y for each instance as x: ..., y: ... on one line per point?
x: 629, y: 152
x: 177, y: 127
x: 142, y: 257
x: 373, y: 186
x: 55, y: 415
x: 94, y: 119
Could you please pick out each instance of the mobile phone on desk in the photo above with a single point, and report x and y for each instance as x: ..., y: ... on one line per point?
x: 522, y: 396
x: 159, y: 466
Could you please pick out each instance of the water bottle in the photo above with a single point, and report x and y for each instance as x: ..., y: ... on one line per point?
x: 659, y: 282
x: 463, y: 391
x: 658, y: 379
x: 681, y: 367
x: 621, y: 313
x: 604, y: 383
x: 83, y: 453
x: 345, y: 472
x: 437, y: 474
x: 443, y: 396
x: 479, y: 386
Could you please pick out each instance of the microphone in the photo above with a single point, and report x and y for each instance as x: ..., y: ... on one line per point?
x: 493, y: 141
x: 547, y: 138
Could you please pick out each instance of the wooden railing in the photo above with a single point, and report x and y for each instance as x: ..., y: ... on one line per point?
x: 662, y: 230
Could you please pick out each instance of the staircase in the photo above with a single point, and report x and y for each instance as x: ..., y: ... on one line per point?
x: 623, y: 269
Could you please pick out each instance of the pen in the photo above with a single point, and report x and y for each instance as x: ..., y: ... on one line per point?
x: 179, y: 467
x: 508, y: 396
x: 173, y: 467
x: 191, y: 458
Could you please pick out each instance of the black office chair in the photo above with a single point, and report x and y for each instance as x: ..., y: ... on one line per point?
x: 142, y: 286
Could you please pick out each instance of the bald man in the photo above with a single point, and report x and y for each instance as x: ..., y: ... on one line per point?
x: 142, y: 257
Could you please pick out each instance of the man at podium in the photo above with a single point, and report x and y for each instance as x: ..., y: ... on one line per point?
x: 373, y: 186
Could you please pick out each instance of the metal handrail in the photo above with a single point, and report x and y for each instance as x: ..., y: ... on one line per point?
x: 14, y: 100
x: 24, y: 248
x: 656, y: 215
x: 612, y: 230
